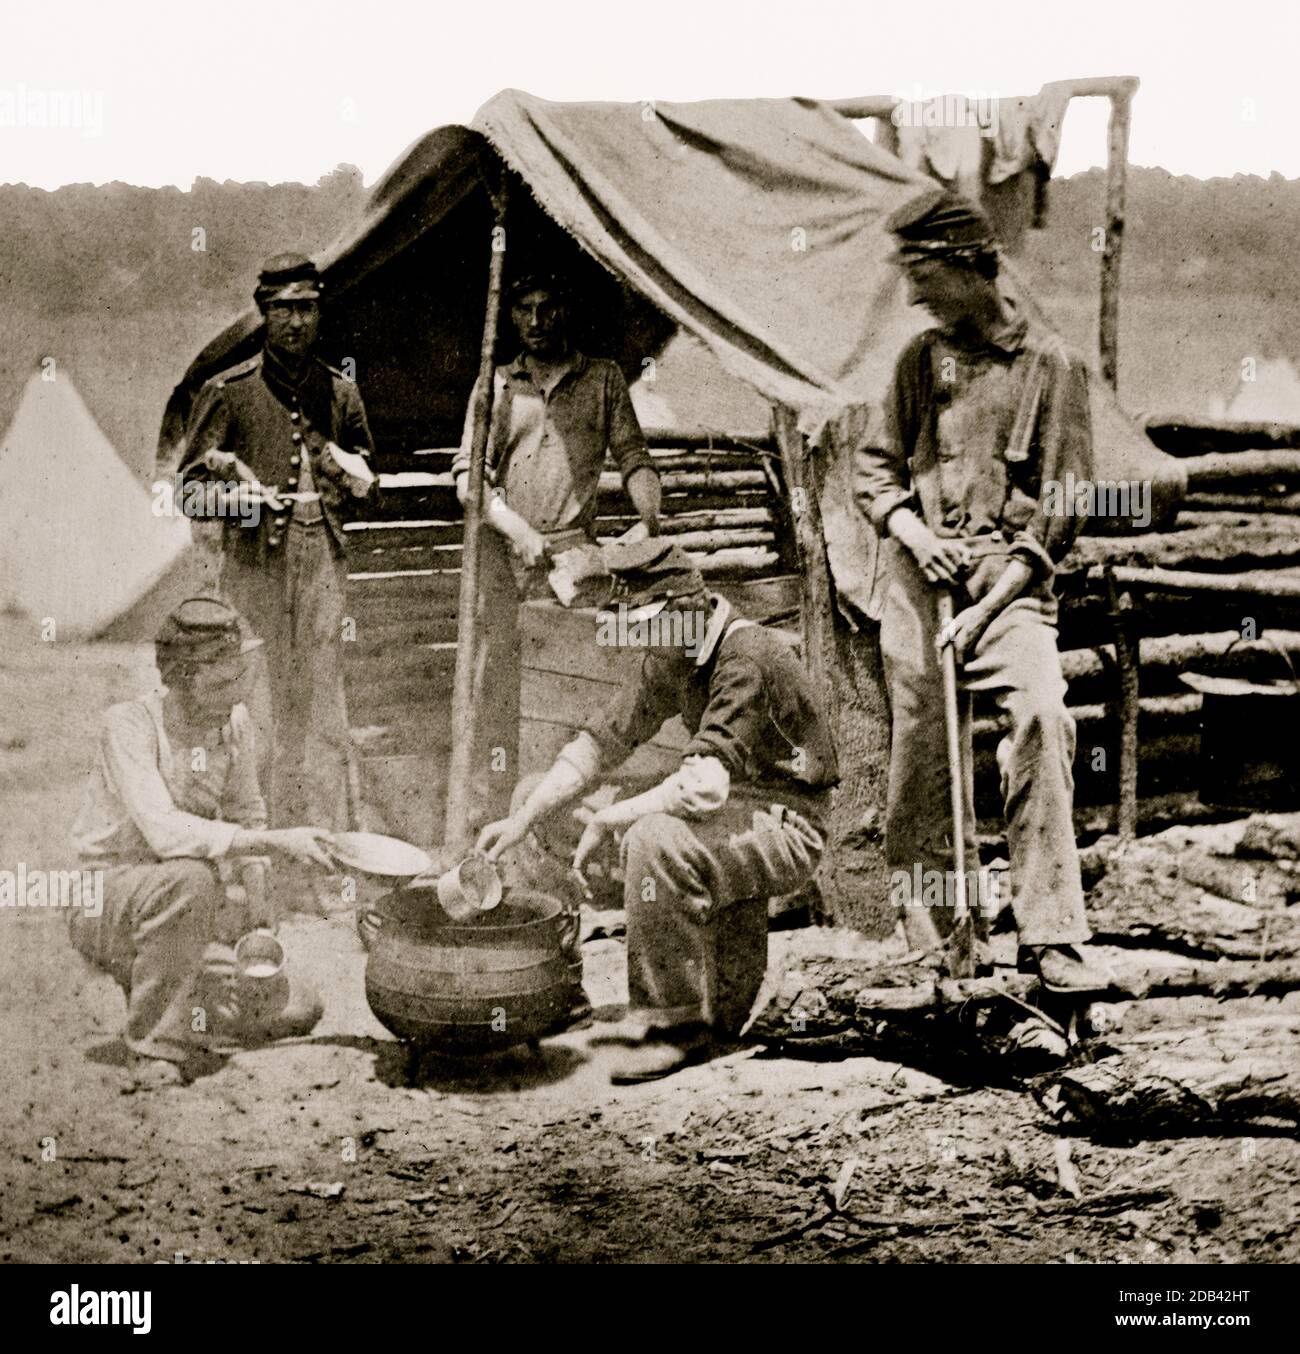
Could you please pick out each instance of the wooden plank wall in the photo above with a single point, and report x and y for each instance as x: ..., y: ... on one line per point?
x: 722, y: 502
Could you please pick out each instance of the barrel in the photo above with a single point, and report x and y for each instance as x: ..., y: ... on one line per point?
x: 464, y: 988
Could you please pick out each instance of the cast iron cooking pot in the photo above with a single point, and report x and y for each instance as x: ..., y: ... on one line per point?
x: 470, y: 987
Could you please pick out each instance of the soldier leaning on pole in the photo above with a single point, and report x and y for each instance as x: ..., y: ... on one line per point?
x: 555, y: 413
x: 172, y: 797
x: 297, y: 428
x: 985, y: 411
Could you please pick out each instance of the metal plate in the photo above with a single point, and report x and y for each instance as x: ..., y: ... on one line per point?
x: 373, y: 853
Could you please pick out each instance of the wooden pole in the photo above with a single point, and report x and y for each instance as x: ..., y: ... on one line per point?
x: 1116, y: 176
x: 463, y: 713
x: 1128, y: 652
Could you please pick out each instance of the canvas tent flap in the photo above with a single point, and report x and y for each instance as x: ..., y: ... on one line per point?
x: 757, y: 226
x: 754, y: 224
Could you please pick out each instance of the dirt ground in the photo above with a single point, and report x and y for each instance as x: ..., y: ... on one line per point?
x: 323, y: 1149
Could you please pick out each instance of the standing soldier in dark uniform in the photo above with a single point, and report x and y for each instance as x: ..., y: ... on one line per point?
x: 281, y: 419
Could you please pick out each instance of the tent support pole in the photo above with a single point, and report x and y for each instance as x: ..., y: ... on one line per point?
x: 1116, y: 178
x: 463, y: 714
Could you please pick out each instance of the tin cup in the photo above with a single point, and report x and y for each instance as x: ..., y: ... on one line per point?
x: 471, y: 887
x: 259, y: 957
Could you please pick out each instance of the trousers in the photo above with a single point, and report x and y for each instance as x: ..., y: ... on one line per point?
x: 494, y: 750
x: 1016, y: 660
x: 296, y: 603
x: 151, y: 936
x: 695, y: 896
x: 696, y: 900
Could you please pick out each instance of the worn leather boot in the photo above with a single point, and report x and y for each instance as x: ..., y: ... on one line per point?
x: 662, y: 1053
x: 1067, y: 969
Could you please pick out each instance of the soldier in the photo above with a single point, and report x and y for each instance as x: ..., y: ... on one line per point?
x: 555, y: 413
x: 280, y: 420
x: 986, y: 410
x: 738, y: 822
x: 172, y: 796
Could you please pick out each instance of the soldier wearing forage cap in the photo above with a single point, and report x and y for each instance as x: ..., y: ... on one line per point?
x: 985, y: 411
x: 172, y: 797
x: 280, y: 419
x: 740, y: 820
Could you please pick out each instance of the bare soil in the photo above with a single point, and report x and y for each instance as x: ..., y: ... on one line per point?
x: 327, y: 1149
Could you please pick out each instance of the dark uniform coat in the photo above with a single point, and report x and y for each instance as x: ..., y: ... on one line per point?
x: 270, y: 425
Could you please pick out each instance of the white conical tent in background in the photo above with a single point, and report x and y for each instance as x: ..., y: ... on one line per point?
x: 79, y: 539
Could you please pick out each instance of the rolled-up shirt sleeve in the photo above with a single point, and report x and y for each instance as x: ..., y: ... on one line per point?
x: 626, y: 440
x: 128, y: 750
x: 1065, y: 448
x: 881, y: 480
x: 460, y: 461
x: 243, y: 801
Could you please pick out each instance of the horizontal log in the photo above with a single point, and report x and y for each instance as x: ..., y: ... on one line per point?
x: 400, y: 535
x: 404, y: 695
x: 748, y: 443
x: 1194, y: 546
x: 720, y: 519
x: 1200, y: 506
x: 1258, y: 583
x: 1194, y: 437
x: 747, y: 561
x: 1219, y: 469
x: 1180, y: 1080
x: 817, y: 997
x: 710, y: 542
x: 414, y: 586
x: 680, y: 481
x: 1175, y: 651
x: 1153, y: 707
x: 382, y: 673
x: 377, y: 632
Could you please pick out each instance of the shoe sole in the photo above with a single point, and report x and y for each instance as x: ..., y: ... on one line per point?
x: 694, y: 1058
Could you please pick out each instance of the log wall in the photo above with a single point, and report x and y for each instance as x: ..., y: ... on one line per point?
x: 721, y: 503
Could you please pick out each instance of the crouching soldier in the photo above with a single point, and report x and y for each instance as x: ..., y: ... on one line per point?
x: 739, y: 821
x: 174, y: 793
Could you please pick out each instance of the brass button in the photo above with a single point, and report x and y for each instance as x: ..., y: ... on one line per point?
x: 297, y: 437
x: 294, y: 416
x: 293, y: 460
x: 273, y: 541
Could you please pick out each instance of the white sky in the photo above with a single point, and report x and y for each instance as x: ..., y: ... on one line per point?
x: 275, y: 91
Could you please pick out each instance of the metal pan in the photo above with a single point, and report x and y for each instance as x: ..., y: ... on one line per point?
x: 373, y: 853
